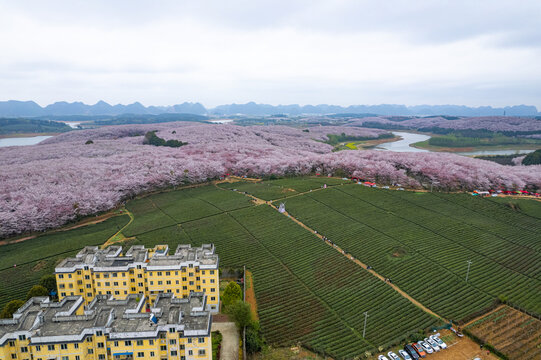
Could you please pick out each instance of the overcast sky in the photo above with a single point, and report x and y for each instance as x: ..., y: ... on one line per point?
x: 472, y: 52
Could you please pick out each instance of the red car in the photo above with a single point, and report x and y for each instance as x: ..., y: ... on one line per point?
x: 419, y: 349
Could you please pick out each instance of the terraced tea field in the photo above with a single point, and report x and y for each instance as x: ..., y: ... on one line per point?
x: 513, y: 333
x: 307, y: 291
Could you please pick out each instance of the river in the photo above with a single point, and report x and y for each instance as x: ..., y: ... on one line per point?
x: 411, y: 138
x: 22, y: 141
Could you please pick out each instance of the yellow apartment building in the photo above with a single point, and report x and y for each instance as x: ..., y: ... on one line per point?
x: 109, y: 329
x: 148, y: 272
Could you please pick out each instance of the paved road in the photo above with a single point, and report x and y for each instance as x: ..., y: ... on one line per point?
x: 230, y: 340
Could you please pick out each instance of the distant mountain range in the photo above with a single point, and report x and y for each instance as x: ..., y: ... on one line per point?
x: 14, y: 108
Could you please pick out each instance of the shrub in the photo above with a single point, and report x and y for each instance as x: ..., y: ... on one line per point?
x: 88, y: 142
x: 10, y: 308
x: 37, y: 290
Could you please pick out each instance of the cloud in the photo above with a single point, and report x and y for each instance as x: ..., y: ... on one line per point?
x: 344, y: 52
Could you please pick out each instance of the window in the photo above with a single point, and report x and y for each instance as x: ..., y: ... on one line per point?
x: 22, y: 337
x: 190, y: 352
x: 98, y: 283
x: 201, y: 340
x: 189, y: 340
x: 160, y: 282
x: 127, y: 343
x: 14, y: 356
x: 124, y: 283
x: 151, y: 342
x: 212, y: 289
x: 174, y: 353
x: 176, y: 272
x: 61, y: 286
x: 184, y: 288
x: 123, y: 274
x: 159, y: 273
x: 76, y: 346
x: 168, y: 273
x: 101, y: 356
x: 152, y: 354
x: 60, y: 276
x: 101, y: 345
x: 198, y: 278
x: 203, y: 272
x: 77, y: 357
x: 65, y: 357
x: 87, y: 277
x: 117, y: 292
x: 139, y: 342
x: 99, y: 333
x: 163, y: 347
x: 63, y: 294
x: 140, y: 284
x: 88, y: 286
x: 63, y: 346
x: 213, y: 298
x: 181, y: 347
x: 190, y: 274
x: 177, y: 282
x: 115, y: 274
x: 115, y: 283
x: 201, y: 352
x: 212, y: 281
x: 91, y: 351
x: 184, y: 279
x: 211, y: 272
x: 24, y: 349
x: 97, y: 276
x: 79, y: 282
x: 140, y: 354
x: 89, y: 339
x: 191, y: 283
x: 107, y: 283
x: 50, y: 347
x: 140, y: 276
x: 12, y: 343
x: 151, y: 282
x: 133, y: 289
x: 38, y: 348
x: 105, y: 276
x: 168, y: 282
x: 116, y: 343
x: 172, y: 330
x: 172, y: 342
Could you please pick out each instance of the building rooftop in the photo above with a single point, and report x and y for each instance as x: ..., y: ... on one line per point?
x: 155, y: 258
x: 44, y: 321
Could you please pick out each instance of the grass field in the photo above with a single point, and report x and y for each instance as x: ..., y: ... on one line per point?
x: 308, y: 292
x: 513, y: 333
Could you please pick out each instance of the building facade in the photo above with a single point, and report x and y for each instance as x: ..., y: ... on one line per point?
x: 109, y: 329
x: 148, y: 272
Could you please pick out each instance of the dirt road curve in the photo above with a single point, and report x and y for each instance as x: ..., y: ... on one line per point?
x: 230, y: 340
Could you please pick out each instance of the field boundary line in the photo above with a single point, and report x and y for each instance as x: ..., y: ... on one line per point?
x: 110, y: 240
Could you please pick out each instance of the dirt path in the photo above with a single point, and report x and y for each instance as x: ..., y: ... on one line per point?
x: 482, y: 316
x: 118, y: 237
x: 96, y: 220
x: 349, y: 256
x: 230, y: 340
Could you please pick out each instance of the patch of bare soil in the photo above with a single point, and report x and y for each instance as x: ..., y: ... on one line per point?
x: 40, y: 265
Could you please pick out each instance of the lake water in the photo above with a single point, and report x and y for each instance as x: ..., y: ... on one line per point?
x: 410, y: 138
x: 22, y: 141
x: 404, y: 144
x: 221, y: 121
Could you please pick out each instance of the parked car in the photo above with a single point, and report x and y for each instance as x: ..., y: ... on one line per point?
x: 382, y: 357
x: 385, y: 187
x: 404, y: 355
x: 419, y: 349
x: 392, y: 356
x: 439, y: 341
x: 401, y: 189
x: 426, y: 347
x: 411, y: 352
x: 432, y: 344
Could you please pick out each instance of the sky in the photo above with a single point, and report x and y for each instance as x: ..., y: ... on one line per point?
x: 339, y: 52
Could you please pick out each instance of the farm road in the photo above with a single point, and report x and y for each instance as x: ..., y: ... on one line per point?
x: 230, y: 340
x: 349, y: 256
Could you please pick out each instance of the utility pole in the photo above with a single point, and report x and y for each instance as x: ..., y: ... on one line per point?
x: 365, y: 317
x: 468, y: 271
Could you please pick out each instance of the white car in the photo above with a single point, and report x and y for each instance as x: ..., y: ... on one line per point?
x: 427, y: 347
x: 404, y: 355
x: 385, y: 187
x: 392, y: 356
x: 382, y: 357
x: 433, y: 344
x: 439, y: 341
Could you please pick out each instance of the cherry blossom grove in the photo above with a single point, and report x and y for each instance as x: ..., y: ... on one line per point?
x: 47, y: 185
